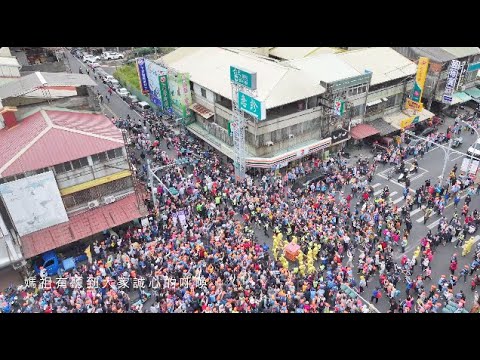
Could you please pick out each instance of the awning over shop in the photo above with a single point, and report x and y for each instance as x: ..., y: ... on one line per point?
x: 402, y: 119
x: 201, y: 110
x: 384, y: 127
x: 374, y: 102
x: 282, y: 159
x: 82, y: 225
x: 460, y: 97
x: 362, y: 131
x: 473, y: 92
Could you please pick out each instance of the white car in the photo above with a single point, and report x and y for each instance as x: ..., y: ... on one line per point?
x: 474, y: 149
x: 123, y: 92
x: 112, y: 56
x: 91, y: 59
x: 93, y: 65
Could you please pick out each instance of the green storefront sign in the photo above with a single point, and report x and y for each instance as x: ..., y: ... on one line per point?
x: 243, y: 77
x: 251, y: 106
x: 164, y: 92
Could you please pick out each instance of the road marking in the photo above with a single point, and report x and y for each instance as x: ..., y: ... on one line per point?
x: 435, y: 223
x: 456, y: 158
x: 415, y: 211
x: 393, y: 193
x: 376, y: 185
x: 450, y: 204
x: 377, y: 192
x: 398, y: 200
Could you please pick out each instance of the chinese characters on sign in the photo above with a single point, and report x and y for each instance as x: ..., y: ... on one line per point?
x: 417, y: 106
x: 142, y: 75
x: 461, y: 75
x: 451, y: 81
x: 243, y: 77
x: 421, y: 76
x: 164, y: 93
x: 251, y: 106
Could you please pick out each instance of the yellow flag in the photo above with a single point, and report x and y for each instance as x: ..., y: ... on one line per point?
x: 88, y: 252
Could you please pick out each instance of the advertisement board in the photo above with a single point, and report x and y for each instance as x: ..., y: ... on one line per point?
x: 34, y: 203
x: 164, y: 92
x: 142, y: 75
x: 451, y: 81
x: 422, y: 70
x: 153, y: 72
x: 180, y: 94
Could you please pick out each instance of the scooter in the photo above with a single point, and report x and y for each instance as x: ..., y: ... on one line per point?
x: 413, y: 169
x: 402, y: 177
x: 457, y: 141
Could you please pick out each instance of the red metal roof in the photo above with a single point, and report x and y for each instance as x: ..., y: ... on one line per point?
x: 362, y: 131
x: 42, y: 140
x: 82, y: 225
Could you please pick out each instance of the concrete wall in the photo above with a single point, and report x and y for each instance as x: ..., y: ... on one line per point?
x: 57, y: 66
x: 91, y: 172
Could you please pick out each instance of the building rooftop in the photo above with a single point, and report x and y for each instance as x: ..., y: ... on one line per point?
x: 290, y: 53
x: 385, y: 63
x: 326, y: 67
x: 32, y: 82
x: 278, y: 84
x: 50, y: 136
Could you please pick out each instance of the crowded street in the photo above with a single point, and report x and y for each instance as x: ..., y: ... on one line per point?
x: 366, y: 241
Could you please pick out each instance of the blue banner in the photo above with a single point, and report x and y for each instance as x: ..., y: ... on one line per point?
x: 142, y: 75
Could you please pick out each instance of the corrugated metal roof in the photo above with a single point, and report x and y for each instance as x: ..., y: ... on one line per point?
x: 50, y: 137
x: 290, y: 53
x: 437, y: 54
x: 80, y: 226
x: 9, y: 61
x: 326, y: 67
x: 461, y: 52
x: 209, y: 67
x: 385, y: 63
x: 31, y: 82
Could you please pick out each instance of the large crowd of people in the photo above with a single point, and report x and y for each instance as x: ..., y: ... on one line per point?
x: 200, y: 249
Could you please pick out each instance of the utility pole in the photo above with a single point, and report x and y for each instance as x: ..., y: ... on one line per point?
x: 447, y: 156
x: 150, y: 179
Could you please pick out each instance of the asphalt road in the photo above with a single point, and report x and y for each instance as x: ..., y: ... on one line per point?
x: 430, y: 168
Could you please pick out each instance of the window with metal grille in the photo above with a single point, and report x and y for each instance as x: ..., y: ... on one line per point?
x: 114, y: 153
x: 59, y: 169
x: 97, y: 192
x: 98, y: 158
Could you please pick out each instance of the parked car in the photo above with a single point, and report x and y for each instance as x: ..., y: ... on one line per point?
x: 384, y: 141
x: 91, y: 59
x: 112, y: 56
x: 122, y: 92
x: 143, y: 105
x: 93, y: 65
x: 102, y: 73
x: 427, y: 131
x: 109, y: 78
x: 474, y: 149
x: 54, y: 265
x: 131, y: 99
x: 114, y: 84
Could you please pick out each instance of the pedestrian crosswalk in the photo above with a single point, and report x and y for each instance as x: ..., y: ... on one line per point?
x: 399, y: 200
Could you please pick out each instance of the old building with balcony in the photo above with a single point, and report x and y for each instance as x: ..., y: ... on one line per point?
x: 299, y: 109
x: 85, y: 153
x: 465, y: 77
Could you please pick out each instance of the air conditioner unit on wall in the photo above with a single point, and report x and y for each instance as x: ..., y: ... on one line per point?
x: 461, y: 88
x: 93, y: 204
x: 109, y: 199
x: 269, y: 143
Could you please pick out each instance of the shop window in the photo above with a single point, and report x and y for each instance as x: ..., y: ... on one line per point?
x: 204, y: 92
